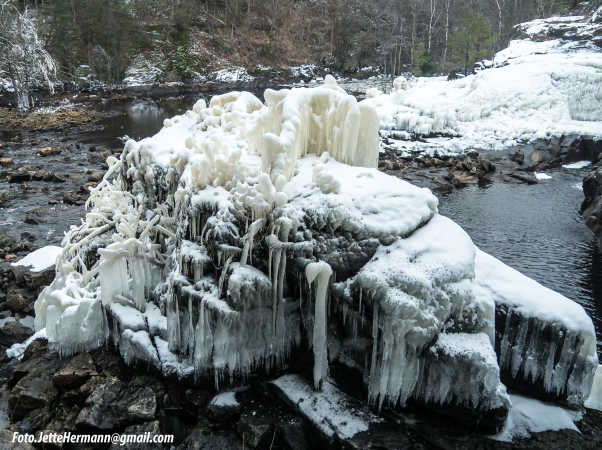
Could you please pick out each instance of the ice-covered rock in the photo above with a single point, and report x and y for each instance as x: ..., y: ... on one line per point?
x: 243, y: 231
x: 545, y: 343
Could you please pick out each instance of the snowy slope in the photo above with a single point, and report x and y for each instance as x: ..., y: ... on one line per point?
x: 539, y: 87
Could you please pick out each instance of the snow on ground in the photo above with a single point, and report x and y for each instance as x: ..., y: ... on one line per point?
x: 529, y: 415
x: 41, y: 259
x: 231, y: 75
x: 542, y: 176
x: 537, y: 89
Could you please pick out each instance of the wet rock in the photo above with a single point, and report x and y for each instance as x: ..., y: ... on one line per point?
x: 206, y: 439
x: 461, y: 178
x: 71, y: 199
x: 6, y: 442
x: 114, y: 403
x: 591, y: 208
x: 77, y: 371
x: 293, y: 435
x: 19, y: 177
x: 19, y: 301
x: 518, y: 157
x: 255, y: 431
x: 36, y: 216
x: 48, y: 151
x: 35, y: 390
x: 13, y: 332
x: 5, y: 196
x: 524, y: 177
x: 95, y: 176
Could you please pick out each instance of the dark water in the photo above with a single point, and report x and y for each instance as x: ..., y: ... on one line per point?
x: 537, y: 230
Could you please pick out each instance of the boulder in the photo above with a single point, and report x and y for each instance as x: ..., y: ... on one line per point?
x: 113, y: 404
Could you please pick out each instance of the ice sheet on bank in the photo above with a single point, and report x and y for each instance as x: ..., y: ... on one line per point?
x: 577, y: 165
x: 40, y: 259
x: 529, y: 415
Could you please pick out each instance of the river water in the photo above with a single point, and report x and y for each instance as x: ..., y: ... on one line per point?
x: 535, y: 229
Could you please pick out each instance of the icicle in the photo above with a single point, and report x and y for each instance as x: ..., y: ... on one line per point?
x: 372, y: 391
x: 247, y: 252
x: 322, y: 271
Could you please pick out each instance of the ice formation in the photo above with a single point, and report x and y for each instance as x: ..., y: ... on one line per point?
x: 243, y: 231
x: 544, y: 340
x: 594, y: 400
x: 548, y: 84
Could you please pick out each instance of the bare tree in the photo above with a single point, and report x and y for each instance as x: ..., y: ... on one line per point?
x: 22, y: 56
x: 446, y: 46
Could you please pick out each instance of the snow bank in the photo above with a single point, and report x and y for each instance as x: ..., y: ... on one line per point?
x: 40, y: 259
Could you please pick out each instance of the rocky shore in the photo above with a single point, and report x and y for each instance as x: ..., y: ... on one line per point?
x: 96, y: 392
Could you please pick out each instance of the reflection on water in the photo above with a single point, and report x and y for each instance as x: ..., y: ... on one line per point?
x: 537, y: 230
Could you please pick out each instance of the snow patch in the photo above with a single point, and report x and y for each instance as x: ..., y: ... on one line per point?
x: 40, y: 259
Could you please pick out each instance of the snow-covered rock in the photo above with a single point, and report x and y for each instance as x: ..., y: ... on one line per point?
x: 331, y: 411
x: 40, y: 259
x: 529, y: 416
x: 244, y: 230
x: 545, y: 343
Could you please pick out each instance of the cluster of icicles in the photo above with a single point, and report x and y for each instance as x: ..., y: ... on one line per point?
x: 130, y: 249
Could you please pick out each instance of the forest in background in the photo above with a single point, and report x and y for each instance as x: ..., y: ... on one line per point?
x: 189, y: 37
